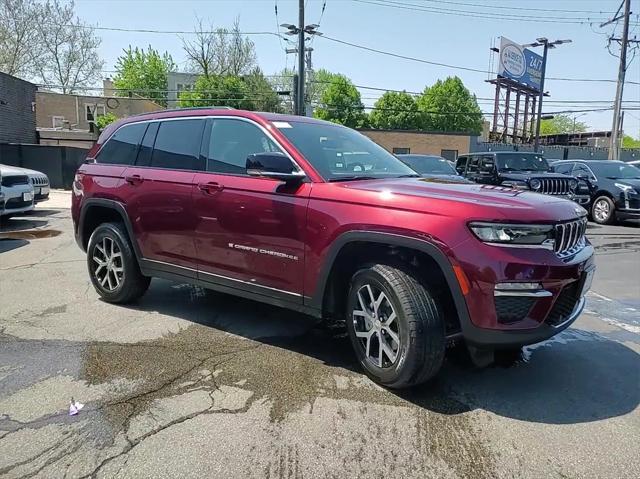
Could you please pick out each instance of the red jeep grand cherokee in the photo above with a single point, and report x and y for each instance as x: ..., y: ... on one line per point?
x: 315, y: 217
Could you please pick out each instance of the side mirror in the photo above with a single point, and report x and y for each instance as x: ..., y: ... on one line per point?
x: 273, y: 165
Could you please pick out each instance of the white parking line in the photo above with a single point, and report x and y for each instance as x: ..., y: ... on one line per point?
x: 597, y: 295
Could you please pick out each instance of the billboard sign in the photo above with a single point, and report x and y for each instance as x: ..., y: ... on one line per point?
x: 520, y: 64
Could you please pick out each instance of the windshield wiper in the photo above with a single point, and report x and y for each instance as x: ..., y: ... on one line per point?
x: 351, y: 178
x: 410, y: 175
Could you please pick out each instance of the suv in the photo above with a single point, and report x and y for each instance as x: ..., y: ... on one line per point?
x: 315, y: 217
x: 526, y: 171
x: 614, y: 187
x: 17, y: 191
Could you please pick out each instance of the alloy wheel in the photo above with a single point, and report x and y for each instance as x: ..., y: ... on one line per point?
x: 376, y: 326
x: 601, y: 210
x: 109, y: 271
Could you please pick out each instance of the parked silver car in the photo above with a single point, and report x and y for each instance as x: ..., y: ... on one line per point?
x: 17, y: 190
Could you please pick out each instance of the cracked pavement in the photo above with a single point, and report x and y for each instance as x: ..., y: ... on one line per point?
x: 192, y: 383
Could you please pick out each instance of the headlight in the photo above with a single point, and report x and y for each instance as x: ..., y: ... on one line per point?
x: 535, y: 184
x: 626, y: 188
x: 513, y: 233
x: 573, y: 184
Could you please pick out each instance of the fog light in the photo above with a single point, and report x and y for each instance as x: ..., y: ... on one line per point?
x: 521, y: 289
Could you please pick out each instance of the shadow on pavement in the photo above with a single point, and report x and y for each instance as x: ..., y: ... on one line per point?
x: 577, y: 377
x: 11, y: 244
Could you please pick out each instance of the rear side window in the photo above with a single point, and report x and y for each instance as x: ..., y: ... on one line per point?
x: 177, y: 145
x: 461, y: 165
x: 122, y: 147
x: 146, y: 147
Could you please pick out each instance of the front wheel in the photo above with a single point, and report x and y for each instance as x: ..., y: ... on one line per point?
x: 395, y: 326
x: 113, y: 267
x: 603, y: 210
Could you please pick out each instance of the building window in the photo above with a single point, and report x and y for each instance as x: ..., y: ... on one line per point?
x: 92, y: 111
x: 58, y: 121
x: 401, y: 151
x: 451, y: 155
x: 182, y: 87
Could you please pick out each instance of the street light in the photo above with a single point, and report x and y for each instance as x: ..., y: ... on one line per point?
x: 543, y: 42
x: 575, y: 117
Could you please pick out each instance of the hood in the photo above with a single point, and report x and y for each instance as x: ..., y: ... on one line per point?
x: 445, y: 178
x: 468, y: 200
x: 32, y: 172
x: 7, y: 170
x: 527, y: 175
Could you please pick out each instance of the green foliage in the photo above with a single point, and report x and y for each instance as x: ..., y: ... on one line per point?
x: 252, y: 92
x: 449, y: 106
x: 396, y: 111
x: 104, y: 120
x: 561, y: 124
x: 144, y: 73
x: 630, y: 142
x: 340, y: 103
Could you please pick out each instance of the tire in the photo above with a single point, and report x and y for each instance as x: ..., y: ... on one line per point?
x: 603, y: 210
x: 115, y: 275
x: 416, y: 335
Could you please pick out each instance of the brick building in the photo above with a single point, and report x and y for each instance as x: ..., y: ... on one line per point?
x: 447, y: 145
x: 75, y: 112
x: 17, y: 110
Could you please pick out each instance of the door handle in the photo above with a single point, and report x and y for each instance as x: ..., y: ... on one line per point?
x: 134, y: 179
x: 210, y: 188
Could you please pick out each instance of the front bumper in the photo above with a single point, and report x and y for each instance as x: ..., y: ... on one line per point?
x: 499, y: 319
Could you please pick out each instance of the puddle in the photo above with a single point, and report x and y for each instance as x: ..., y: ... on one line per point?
x: 29, y: 234
x: 290, y: 374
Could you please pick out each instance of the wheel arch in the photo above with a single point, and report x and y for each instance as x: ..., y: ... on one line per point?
x: 96, y: 211
x: 382, y: 246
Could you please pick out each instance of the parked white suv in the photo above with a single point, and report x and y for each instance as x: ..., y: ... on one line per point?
x: 17, y: 191
x: 40, y: 183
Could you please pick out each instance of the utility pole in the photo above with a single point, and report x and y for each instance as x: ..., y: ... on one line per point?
x: 622, y: 69
x: 301, y: 58
x: 300, y: 30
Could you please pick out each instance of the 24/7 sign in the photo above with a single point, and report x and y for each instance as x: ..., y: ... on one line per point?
x: 520, y: 64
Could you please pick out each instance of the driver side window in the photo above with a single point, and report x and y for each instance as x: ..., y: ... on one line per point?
x: 231, y: 142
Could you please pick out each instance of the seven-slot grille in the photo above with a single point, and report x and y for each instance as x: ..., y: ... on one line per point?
x: 554, y: 186
x: 569, y: 237
x: 15, y: 180
x: 39, y: 180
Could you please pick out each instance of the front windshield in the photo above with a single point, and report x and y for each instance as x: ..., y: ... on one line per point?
x: 340, y: 153
x: 521, y: 162
x: 617, y: 170
x: 425, y: 165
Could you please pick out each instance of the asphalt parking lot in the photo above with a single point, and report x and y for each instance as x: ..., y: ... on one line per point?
x: 191, y: 383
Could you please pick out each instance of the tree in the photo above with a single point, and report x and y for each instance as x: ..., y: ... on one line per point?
x: 396, y: 111
x: 69, y: 57
x: 103, y: 120
x: 341, y: 103
x: 561, y: 124
x: 630, y: 142
x: 144, y: 72
x: 449, y: 106
x: 19, y: 43
x: 252, y: 92
x: 220, y: 51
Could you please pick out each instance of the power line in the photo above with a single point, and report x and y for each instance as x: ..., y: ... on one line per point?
x: 446, y: 65
x: 170, y: 32
x: 515, y: 8
x: 483, y: 15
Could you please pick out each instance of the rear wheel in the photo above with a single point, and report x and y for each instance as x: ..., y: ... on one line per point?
x: 395, y: 326
x: 603, y: 210
x: 113, y: 267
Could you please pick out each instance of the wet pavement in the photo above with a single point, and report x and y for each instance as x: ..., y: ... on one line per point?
x: 192, y: 383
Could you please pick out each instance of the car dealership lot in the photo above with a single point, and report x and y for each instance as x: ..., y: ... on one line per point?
x: 192, y: 383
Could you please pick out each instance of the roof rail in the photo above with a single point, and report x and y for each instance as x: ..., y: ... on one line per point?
x: 190, y: 108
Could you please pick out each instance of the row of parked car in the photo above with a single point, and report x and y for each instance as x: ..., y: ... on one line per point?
x: 609, y: 190
x: 21, y: 189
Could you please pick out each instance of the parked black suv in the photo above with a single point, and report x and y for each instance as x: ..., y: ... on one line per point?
x: 614, y: 187
x: 522, y: 170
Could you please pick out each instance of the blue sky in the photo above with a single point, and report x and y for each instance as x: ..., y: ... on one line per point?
x: 445, y: 37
